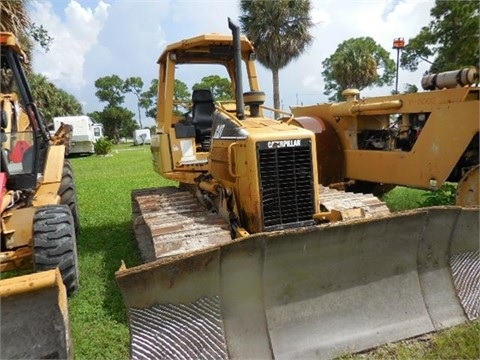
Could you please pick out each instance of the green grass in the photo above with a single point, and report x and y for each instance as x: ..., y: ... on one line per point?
x: 457, y: 343
x: 97, y: 315
x: 401, y: 198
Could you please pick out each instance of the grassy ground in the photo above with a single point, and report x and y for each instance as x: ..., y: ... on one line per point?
x: 458, y: 343
x: 97, y: 315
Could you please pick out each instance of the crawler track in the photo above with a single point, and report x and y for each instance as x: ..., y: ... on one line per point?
x: 341, y: 200
x: 169, y: 221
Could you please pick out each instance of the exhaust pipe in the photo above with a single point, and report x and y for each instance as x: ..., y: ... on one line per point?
x: 237, y: 49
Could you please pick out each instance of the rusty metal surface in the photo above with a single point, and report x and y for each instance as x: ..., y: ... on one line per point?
x: 169, y: 221
x: 341, y: 200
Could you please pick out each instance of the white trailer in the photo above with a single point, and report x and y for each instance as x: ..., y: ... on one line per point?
x: 141, y: 137
x: 85, y: 133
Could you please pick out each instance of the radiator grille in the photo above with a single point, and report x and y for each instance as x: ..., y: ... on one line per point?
x: 286, y: 184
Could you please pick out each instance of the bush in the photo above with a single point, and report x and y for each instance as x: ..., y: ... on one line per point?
x: 103, y: 146
x: 443, y: 196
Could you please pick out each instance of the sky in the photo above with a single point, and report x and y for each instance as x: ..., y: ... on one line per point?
x: 96, y: 38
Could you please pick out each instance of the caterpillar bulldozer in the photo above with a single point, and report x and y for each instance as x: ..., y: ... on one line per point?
x: 253, y: 256
x: 39, y: 221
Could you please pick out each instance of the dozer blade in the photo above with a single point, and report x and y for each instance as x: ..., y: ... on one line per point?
x: 309, y: 293
x: 34, y: 317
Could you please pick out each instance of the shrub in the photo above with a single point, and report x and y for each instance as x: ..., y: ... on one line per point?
x: 103, y: 146
x: 443, y: 196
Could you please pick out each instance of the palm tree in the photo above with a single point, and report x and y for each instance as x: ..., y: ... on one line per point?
x: 279, y: 31
x: 15, y: 19
x: 51, y: 100
x: 14, y: 16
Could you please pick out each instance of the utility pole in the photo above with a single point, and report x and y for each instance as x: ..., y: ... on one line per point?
x: 399, y: 44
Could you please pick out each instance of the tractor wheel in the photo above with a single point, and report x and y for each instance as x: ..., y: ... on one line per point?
x: 68, y: 193
x: 55, y: 244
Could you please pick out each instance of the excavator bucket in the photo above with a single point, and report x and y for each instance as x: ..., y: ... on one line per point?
x: 315, y: 292
x: 34, y: 317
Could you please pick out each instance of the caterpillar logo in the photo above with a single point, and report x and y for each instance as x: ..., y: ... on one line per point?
x: 283, y: 143
x: 219, y: 131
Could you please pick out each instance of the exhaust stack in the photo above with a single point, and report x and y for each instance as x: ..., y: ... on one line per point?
x: 238, y: 69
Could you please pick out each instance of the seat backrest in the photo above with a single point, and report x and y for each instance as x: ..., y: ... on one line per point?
x: 203, y: 108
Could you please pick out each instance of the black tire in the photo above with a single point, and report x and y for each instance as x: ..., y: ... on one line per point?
x: 55, y: 244
x: 68, y: 193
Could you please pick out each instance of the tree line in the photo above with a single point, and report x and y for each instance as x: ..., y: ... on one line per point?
x: 119, y: 122
x: 280, y: 31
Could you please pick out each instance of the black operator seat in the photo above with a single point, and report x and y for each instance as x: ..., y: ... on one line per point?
x: 202, y: 112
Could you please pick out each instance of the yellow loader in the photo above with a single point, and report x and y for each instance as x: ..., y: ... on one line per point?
x: 39, y: 222
x: 252, y: 256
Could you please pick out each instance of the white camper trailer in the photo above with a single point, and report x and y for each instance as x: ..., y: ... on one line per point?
x: 85, y: 133
x: 141, y: 137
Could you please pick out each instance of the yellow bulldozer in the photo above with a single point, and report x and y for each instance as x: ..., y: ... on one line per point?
x: 39, y: 221
x: 254, y: 255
